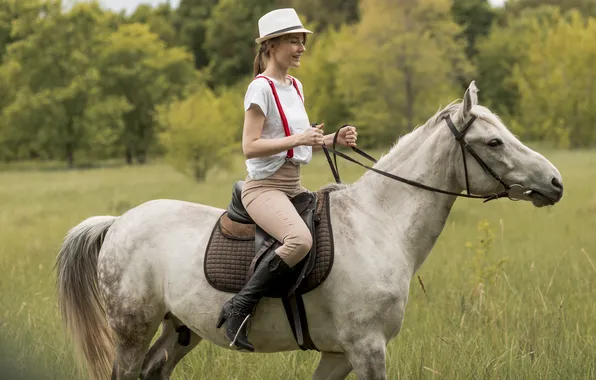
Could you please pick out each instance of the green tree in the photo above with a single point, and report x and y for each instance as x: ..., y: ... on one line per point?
x: 398, y: 65
x: 230, y: 38
x: 505, y: 47
x: 10, y: 12
x: 136, y: 66
x: 325, y: 13
x: 191, y: 25
x: 56, y: 83
x: 513, y: 8
x: 160, y: 20
x: 14, y: 141
x: 475, y: 17
x: 557, y: 84
x: 202, y: 131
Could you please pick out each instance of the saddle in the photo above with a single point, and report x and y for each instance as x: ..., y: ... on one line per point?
x: 237, y: 244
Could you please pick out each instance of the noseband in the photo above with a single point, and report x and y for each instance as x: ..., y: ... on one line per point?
x: 514, y: 192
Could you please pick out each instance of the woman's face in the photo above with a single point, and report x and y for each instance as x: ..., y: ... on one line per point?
x: 288, y: 50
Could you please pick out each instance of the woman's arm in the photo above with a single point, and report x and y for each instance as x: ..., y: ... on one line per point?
x: 254, y: 146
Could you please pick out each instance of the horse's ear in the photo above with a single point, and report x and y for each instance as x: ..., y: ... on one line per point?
x: 470, y: 100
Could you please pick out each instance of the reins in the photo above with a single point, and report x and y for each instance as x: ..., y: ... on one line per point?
x: 459, y: 137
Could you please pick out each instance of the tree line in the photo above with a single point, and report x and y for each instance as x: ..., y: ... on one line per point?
x: 80, y: 84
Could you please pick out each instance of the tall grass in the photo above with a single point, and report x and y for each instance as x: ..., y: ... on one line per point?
x: 509, y: 289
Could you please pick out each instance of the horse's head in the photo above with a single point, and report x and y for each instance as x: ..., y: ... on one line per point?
x: 530, y: 176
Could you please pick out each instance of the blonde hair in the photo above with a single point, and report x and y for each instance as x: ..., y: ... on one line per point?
x: 259, y: 64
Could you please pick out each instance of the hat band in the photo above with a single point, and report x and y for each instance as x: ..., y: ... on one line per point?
x: 285, y: 30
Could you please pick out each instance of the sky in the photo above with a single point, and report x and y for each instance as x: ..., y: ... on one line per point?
x: 130, y: 5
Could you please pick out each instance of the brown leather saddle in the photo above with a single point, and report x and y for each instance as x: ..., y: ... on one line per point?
x: 237, y: 244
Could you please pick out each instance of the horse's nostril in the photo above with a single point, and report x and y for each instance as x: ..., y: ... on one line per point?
x: 556, y: 183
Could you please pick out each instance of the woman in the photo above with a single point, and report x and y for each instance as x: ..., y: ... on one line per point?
x: 277, y: 139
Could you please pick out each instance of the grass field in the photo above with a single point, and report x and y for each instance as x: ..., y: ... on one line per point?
x: 510, y: 289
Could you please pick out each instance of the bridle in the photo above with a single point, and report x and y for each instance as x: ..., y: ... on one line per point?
x: 514, y: 192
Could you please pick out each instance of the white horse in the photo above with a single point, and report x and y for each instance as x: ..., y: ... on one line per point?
x: 119, y: 276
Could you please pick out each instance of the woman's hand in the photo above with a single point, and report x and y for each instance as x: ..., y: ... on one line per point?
x: 347, y: 136
x: 313, y: 136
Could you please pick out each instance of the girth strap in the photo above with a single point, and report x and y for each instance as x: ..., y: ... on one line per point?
x: 296, y: 312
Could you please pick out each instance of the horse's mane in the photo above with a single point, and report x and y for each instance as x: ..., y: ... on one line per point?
x: 331, y: 187
x: 409, y: 143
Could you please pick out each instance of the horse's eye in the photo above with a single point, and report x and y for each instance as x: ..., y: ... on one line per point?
x: 495, y: 142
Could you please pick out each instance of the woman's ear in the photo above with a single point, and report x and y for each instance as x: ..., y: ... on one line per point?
x: 272, y: 43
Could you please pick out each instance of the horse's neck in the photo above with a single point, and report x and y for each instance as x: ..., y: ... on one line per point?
x: 413, y: 217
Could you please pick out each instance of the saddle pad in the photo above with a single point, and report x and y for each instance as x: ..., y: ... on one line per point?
x: 228, y: 257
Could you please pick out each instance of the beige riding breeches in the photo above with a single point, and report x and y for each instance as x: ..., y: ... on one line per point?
x: 267, y: 201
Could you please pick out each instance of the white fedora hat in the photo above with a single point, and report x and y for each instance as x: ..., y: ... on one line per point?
x: 279, y: 22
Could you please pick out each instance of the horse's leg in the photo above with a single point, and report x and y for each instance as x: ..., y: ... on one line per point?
x: 332, y: 366
x: 367, y: 357
x: 134, y: 314
x: 166, y: 353
x: 132, y: 341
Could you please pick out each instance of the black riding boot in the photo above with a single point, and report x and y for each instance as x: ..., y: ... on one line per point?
x: 238, y: 309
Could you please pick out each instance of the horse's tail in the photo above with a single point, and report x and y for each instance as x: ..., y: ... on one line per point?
x: 82, y: 311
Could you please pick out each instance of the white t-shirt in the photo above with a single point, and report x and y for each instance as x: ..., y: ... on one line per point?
x: 259, y: 92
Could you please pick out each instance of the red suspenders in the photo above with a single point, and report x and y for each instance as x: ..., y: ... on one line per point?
x: 284, y: 120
